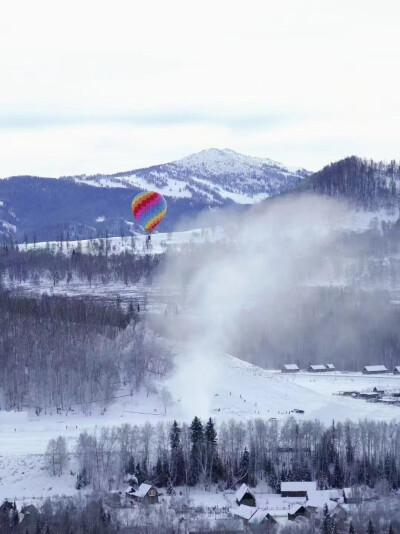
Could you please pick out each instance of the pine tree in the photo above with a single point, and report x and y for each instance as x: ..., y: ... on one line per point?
x: 328, y: 524
x: 391, y: 531
x: 370, y: 529
x: 197, y: 452
x: 351, y: 529
x: 170, y: 488
x: 210, y: 449
x: 82, y: 480
x: 130, y: 466
x: 338, y: 478
x: 177, y: 457
x: 244, y: 466
x: 175, y: 436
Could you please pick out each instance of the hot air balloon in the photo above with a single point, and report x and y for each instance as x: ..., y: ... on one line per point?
x: 149, y: 210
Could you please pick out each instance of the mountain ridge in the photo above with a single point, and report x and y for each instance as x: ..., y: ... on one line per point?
x: 83, y: 207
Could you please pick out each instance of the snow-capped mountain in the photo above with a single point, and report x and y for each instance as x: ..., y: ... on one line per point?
x: 82, y: 207
x: 212, y: 175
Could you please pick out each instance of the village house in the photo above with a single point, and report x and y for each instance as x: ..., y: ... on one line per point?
x: 290, y: 368
x: 262, y: 517
x: 29, y: 520
x: 259, y: 516
x: 297, y: 510
x: 145, y: 494
x: 298, y: 489
x: 368, y: 395
x: 374, y: 370
x: 330, y: 367
x: 317, y: 368
x: 396, y: 370
x: 243, y: 511
x: 245, y: 496
x: 341, y: 512
x: 358, y: 494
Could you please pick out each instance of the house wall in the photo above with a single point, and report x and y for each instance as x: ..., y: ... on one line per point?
x: 294, y: 493
x: 248, y: 500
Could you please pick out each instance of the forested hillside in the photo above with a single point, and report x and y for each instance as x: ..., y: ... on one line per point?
x: 58, y: 351
x: 368, y: 184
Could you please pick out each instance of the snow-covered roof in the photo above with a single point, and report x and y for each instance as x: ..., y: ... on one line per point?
x: 299, y: 486
x: 244, y: 511
x: 142, y: 490
x: 318, y: 367
x: 258, y: 517
x: 375, y: 368
x: 362, y: 492
x: 291, y: 367
x: 317, y: 501
x: 242, y: 491
x: 397, y: 368
x: 330, y: 366
x: 295, y: 508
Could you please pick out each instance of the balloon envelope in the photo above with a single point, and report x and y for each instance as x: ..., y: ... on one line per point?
x: 149, y: 209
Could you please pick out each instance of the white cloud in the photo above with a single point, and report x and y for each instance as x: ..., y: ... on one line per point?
x: 96, y: 86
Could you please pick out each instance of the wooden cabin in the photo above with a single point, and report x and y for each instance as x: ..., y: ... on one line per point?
x: 30, y: 518
x: 330, y: 367
x: 396, y: 370
x: 245, y: 496
x: 145, y: 494
x: 317, y: 368
x: 298, y: 489
x: 374, y: 370
x: 262, y: 517
x: 290, y: 368
x: 297, y: 510
x: 358, y: 494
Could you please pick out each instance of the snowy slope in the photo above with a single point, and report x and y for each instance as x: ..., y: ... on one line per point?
x: 211, y: 174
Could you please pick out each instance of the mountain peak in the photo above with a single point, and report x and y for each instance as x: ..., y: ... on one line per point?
x: 215, y: 161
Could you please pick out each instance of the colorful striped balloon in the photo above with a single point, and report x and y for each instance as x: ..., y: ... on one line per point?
x: 149, y: 209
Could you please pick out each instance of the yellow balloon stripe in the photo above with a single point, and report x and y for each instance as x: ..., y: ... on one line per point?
x: 152, y: 223
x: 139, y: 198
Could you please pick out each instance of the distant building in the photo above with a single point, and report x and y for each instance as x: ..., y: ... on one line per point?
x: 297, y: 510
x: 368, y: 395
x: 146, y: 494
x: 290, y: 368
x: 330, y: 367
x: 341, y: 512
x: 396, y: 370
x: 262, y: 517
x: 358, y: 494
x: 255, y: 516
x: 317, y: 368
x: 298, y: 489
x: 245, y: 496
x: 244, y: 511
x: 374, y: 369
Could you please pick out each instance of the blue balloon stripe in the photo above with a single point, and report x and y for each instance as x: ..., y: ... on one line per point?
x: 153, y: 211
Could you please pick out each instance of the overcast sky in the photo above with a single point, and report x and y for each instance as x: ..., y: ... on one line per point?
x: 108, y: 86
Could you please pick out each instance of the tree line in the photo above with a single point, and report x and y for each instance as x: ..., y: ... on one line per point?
x: 341, y: 455
x: 56, y: 352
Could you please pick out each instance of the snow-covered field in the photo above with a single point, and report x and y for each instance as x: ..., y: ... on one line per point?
x: 238, y: 390
x: 134, y: 244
